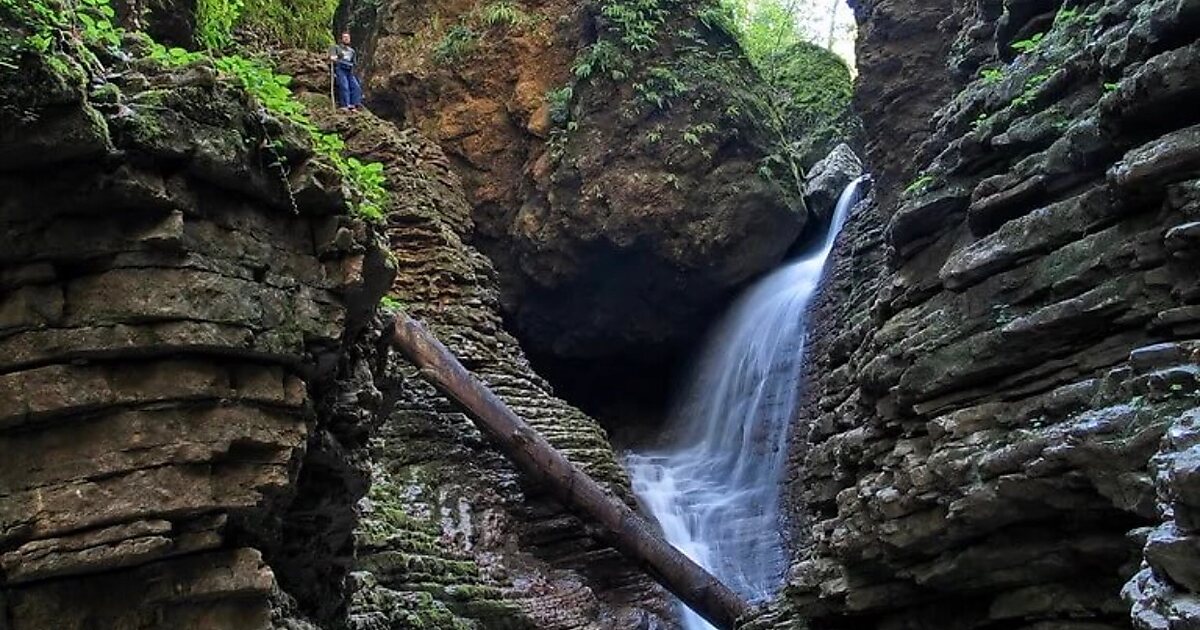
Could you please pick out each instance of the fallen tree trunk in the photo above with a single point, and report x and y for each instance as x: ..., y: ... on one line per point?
x: 627, y: 531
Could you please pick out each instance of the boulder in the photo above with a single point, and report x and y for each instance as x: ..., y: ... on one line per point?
x: 828, y: 177
x: 624, y: 193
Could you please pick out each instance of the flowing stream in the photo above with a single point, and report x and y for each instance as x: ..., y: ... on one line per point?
x: 716, y: 492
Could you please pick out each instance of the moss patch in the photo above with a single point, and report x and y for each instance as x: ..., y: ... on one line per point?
x: 817, y: 90
x: 289, y: 24
x: 413, y: 575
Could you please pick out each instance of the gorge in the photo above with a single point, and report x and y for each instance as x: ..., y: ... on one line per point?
x: 996, y: 396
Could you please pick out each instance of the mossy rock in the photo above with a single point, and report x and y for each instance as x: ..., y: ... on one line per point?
x: 44, y: 115
x: 818, y: 91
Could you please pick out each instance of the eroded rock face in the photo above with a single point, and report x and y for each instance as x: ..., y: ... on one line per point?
x: 998, y: 428
x: 619, y: 215
x: 185, y: 366
x: 451, y: 534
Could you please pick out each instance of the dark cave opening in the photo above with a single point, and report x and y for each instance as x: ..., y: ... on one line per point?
x: 630, y: 396
x: 631, y: 391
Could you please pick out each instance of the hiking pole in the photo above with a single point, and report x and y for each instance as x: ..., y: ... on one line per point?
x: 332, y: 81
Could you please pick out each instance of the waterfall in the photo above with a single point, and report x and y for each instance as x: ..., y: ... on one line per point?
x: 716, y: 491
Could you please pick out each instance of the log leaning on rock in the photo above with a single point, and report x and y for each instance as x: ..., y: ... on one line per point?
x: 627, y: 531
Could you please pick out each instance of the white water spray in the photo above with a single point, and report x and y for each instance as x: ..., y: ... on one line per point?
x: 716, y: 493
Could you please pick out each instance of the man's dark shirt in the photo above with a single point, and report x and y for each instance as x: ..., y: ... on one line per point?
x: 344, y: 55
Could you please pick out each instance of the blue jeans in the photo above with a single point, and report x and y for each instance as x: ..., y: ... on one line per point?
x: 349, y: 90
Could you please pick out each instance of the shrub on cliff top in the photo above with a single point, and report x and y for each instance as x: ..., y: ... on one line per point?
x: 43, y: 27
x: 800, y: 93
x: 366, y: 179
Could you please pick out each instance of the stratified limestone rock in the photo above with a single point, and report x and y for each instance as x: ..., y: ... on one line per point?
x: 1004, y: 368
x: 451, y: 535
x: 902, y: 79
x: 177, y: 330
x: 1165, y: 592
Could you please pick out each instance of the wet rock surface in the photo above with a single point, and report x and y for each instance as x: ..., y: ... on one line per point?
x: 828, y: 178
x: 1003, y: 376
x: 186, y: 376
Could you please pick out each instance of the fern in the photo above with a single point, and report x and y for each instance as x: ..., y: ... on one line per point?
x: 503, y: 13
x: 560, y: 104
x: 455, y: 45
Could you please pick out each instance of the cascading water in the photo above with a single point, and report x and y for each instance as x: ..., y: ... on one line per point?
x: 716, y: 492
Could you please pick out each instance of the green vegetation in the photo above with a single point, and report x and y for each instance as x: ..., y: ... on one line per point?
x: 1032, y: 88
x: 991, y: 76
x: 980, y: 121
x: 767, y: 33
x: 502, y: 13
x: 560, y: 103
x: 635, y: 22
x: 472, y: 29
x: 793, y: 102
x: 602, y: 57
x: 813, y: 86
x: 42, y: 21
x: 722, y: 16
x: 1049, y: 50
x: 389, y: 303
x: 367, y: 179
x: 1066, y: 15
x: 271, y: 90
x: 817, y: 90
x: 215, y: 20
x: 96, y: 19
x: 919, y: 185
x: 694, y: 134
x: 1029, y: 45
x: 1063, y: 20
x: 455, y: 45
x: 1058, y: 118
x: 660, y: 86
x: 1070, y: 15
x: 45, y: 26
x: 292, y: 23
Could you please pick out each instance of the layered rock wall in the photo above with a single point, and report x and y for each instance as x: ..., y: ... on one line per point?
x: 451, y: 533
x: 185, y: 387
x: 999, y: 428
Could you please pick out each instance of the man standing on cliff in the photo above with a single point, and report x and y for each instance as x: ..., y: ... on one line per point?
x: 349, y: 90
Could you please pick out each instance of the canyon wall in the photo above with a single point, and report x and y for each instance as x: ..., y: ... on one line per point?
x: 999, y: 427
x: 196, y: 396
x: 451, y: 534
x: 185, y: 356
x: 624, y: 170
